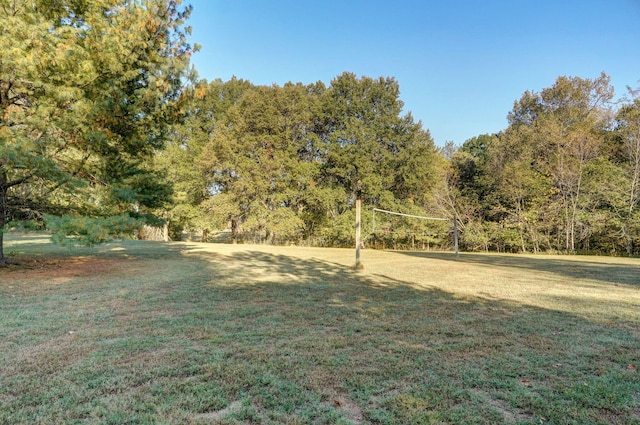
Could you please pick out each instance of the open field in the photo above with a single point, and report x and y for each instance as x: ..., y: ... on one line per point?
x: 145, y: 332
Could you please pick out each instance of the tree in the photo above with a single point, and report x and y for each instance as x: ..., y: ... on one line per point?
x: 574, y: 121
x: 284, y: 163
x: 517, y: 194
x: 87, y: 91
x: 260, y: 163
x: 628, y: 119
x: 563, y: 127
x: 205, y: 106
x: 471, y: 190
x: 373, y: 151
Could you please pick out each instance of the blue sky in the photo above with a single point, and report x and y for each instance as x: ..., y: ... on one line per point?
x: 460, y: 63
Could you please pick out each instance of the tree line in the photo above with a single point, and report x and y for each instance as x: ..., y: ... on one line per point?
x: 104, y: 126
x: 562, y: 177
x: 285, y: 164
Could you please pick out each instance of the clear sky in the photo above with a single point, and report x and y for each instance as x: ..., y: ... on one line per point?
x: 460, y: 63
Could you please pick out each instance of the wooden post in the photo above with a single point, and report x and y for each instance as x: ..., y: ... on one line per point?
x: 359, y: 265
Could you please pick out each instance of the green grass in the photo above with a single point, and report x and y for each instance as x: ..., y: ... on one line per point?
x: 154, y: 333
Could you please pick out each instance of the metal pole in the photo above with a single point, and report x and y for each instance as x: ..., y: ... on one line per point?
x: 359, y: 265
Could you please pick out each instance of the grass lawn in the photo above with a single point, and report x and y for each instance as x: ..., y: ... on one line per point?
x: 176, y: 333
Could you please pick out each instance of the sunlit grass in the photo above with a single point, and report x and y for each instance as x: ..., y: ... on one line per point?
x: 602, y: 287
x: 139, y: 332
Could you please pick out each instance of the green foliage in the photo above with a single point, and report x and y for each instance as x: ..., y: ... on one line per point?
x: 205, y: 104
x: 92, y: 92
x: 374, y: 152
x: 87, y: 91
x: 284, y: 163
x: 563, y: 177
x: 340, y: 230
x: 88, y: 231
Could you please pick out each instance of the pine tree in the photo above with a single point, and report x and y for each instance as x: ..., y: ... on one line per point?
x: 87, y: 91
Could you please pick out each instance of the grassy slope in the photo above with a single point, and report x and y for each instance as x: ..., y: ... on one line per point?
x: 172, y: 333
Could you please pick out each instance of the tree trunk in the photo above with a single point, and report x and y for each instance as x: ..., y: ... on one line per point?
x: 234, y: 231
x: 632, y: 203
x: 3, y: 261
x: 574, y: 216
x: 633, y: 153
x: 3, y: 216
x: 567, y: 230
x: 521, y: 223
x: 627, y: 237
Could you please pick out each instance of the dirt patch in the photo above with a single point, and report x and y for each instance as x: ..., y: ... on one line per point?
x: 352, y: 410
x: 220, y: 414
x: 324, y: 381
x: 61, y: 270
x: 510, y: 417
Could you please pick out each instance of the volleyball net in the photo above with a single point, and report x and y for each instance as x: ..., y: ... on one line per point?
x: 396, y: 230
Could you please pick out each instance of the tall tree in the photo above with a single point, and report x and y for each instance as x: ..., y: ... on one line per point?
x: 87, y: 90
x: 286, y: 162
x: 472, y: 187
x: 374, y: 151
x: 564, y: 124
x: 257, y: 162
x: 205, y: 106
x: 628, y: 119
x: 520, y: 191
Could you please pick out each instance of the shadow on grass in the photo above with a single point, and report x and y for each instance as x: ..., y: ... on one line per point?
x: 615, y: 272
x: 404, y: 353
x: 26, y: 249
x: 291, y: 340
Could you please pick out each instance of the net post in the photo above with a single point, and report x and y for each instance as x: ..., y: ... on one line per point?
x: 358, y: 265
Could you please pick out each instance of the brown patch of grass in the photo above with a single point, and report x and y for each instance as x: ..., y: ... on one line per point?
x: 334, y: 393
x: 57, y: 271
x: 48, y: 357
x: 351, y: 410
x: 510, y: 417
x: 40, y: 262
x: 219, y: 414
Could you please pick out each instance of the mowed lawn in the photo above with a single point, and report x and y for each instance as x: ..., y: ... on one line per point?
x: 181, y: 333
